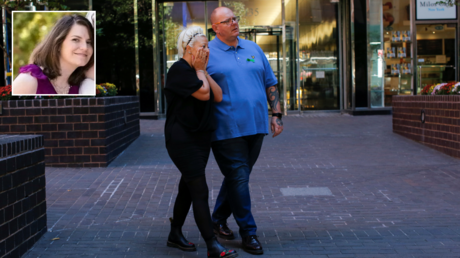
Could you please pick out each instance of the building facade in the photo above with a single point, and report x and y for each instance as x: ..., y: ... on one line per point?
x: 328, y: 55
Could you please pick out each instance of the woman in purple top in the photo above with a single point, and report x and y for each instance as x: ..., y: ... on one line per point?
x: 58, y: 64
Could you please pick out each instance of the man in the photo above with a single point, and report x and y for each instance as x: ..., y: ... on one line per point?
x: 241, y: 69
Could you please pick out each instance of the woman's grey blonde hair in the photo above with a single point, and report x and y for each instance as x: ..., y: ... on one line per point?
x: 187, y: 38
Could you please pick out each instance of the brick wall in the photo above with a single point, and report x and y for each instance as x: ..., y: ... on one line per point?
x: 22, y: 193
x: 441, y: 129
x: 79, y: 132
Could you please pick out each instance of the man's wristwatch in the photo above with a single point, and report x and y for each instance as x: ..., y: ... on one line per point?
x: 279, y: 115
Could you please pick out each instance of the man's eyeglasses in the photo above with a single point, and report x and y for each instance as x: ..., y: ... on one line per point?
x: 229, y: 21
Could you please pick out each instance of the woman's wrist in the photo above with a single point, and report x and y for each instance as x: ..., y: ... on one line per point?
x: 203, y: 71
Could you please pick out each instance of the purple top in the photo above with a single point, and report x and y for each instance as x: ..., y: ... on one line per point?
x: 44, y: 85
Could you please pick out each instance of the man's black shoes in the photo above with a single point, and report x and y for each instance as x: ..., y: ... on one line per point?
x: 252, y: 245
x: 222, y: 231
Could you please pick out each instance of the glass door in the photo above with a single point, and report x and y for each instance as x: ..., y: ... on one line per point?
x: 375, y: 50
x: 269, y: 40
x: 318, y: 55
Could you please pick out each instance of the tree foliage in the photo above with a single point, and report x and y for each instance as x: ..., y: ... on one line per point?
x: 171, y: 29
x: 23, y: 5
x: 239, y: 9
x: 449, y: 2
x: 15, y: 5
x: 116, y: 45
x: 116, y: 18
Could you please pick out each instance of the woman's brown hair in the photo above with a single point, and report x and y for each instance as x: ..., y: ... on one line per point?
x: 46, y: 54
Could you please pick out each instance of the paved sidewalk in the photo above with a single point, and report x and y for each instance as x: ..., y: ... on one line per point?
x: 375, y: 194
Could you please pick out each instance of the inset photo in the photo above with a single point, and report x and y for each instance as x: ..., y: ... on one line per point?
x: 53, y: 53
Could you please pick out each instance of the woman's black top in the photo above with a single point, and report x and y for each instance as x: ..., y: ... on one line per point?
x: 192, y: 114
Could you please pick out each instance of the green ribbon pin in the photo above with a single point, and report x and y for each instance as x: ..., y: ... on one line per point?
x: 250, y: 60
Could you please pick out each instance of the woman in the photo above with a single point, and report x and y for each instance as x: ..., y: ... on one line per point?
x: 58, y: 64
x: 189, y: 93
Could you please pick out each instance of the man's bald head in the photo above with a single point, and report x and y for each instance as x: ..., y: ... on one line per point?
x: 218, y: 12
x: 227, y: 32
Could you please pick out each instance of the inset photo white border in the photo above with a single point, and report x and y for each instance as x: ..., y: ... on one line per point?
x: 88, y: 86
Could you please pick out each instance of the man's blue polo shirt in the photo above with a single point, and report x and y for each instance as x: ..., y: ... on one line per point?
x: 244, y: 74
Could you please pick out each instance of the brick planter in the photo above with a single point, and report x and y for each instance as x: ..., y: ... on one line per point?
x: 441, y: 129
x: 80, y: 132
x: 22, y: 193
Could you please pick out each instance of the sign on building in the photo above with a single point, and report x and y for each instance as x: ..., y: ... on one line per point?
x: 431, y: 10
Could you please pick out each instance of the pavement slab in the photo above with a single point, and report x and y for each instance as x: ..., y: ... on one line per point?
x: 387, y: 196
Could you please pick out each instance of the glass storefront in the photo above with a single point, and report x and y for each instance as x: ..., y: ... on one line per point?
x: 326, y: 54
x: 305, y: 61
x: 397, y: 48
x: 260, y: 22
x: 418, y: 49
x: 339, y: 55
x: 435, y: 54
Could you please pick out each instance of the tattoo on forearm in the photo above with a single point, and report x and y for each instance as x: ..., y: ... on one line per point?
x: 279, y: 122
x: 273, y: 97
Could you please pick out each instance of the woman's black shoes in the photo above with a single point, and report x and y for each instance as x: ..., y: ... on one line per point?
x: 182, y: 245
x: 216, y: 250
x: 177, y: 240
